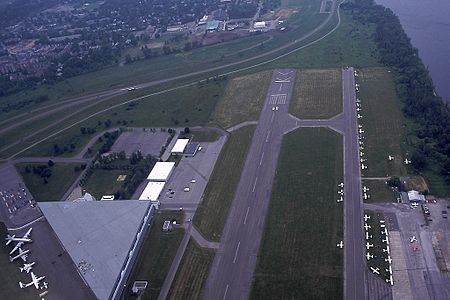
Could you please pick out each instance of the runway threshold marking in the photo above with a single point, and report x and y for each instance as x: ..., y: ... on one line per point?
x: 236, y: 253
x: 262, y: 156
x: 226, y: 291
x: 254, y: 185
x: 246, y: 215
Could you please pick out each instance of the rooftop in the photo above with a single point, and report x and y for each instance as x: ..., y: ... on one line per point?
x: 152, y: 191
x: 161, y: 171
x: 98, y: 236
x: 180, y: 145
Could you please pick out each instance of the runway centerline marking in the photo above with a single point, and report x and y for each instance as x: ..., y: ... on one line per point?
x: 267, y: 137
x: 262, y: 156
x: 246, y: 215
x: 254, y: 185
x: 236, y: 253
x: 226, y: 291
x: 271, y: 120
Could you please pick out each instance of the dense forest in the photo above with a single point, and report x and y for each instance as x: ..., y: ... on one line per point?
x: 414, y: 86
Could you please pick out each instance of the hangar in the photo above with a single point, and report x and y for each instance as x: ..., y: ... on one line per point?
x: 161, y: 171
x: 179, y: 146
x: 152, y: 191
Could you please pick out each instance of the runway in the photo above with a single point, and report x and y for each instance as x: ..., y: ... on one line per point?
x: 232, y: 271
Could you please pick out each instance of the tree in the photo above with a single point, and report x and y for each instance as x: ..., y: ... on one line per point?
x: 50, y: 163
x: 187, y: 130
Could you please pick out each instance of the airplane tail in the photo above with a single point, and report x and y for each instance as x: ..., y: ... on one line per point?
x: 21, y: 284
x: 21, y: 270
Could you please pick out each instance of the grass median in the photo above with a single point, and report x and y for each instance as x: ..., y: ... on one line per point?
x: 298, y: 257
x: 213, y: 211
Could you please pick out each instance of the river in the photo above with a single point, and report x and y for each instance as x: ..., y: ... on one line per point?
x: 427, y: 23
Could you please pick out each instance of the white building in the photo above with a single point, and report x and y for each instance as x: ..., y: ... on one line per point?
x: 161, y: 171
x: 414, y: 196
x: 179, y: 146
x: 259, y: 25
x: 152, y: 191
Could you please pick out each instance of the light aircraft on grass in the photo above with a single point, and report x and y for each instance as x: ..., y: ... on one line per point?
x: 363, y: 166
x: 390, y: 157
x: 25, y: 238
x: 23, y: 254
x: 366, y: 196
x: 367, y: 227
x: 413, y: 239
x: 386, y: 240
x: 366, y: 217
x: 368, y: 236
x: 341, y: 184
x: 389, y: 259
x: 365, y: 189
x: 375, y: 270
x: 387, y: 250
x: 34, y: 281
x: 340, y: 199
x: 361, y: 130
x: 27, y: 267
x: 341, y: 192
x: 407, y: 161
x: 340, y: 245
x: 369, y: 256
x: 368, y: 245
x: 390, y: 280
x: 359, y: 116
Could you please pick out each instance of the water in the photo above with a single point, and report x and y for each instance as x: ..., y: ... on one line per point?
x: 427, y: 23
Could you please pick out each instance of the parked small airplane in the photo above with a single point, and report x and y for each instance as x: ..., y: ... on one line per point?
x: 366, y: 217
x: 389, y: 259
x: 357, y: 100
x: 341, y: 184
x: 368, y: 236
x: 414, y: 204
x: 340, y: 245
x: 27, y: 267
x: 390, y: 157
x: 413, y: 239
x: 359, y: 116
x: 390, y: 280
x: 25, y: 238
x: 34, y: 281
x: 367, y: 227
x: 361, y: 130
x: 361, y: 153
x: 358, y: 109
x: 381, y: 221
x: 407, y: 161
x: 369, y: 256
x: 387, y: 250
x: 375, y: 270
x: 340, y: 199
x: 365, y: 189
x: 368, y: 245
x: 22, y: 254
x: 363, y: 166
x: 386, y: 240
x: 389, y: 270
x: 341, y: 192
x: 366, y: 196
x: 44, y: 285
x: 362, y: 160
x: 384, y: 231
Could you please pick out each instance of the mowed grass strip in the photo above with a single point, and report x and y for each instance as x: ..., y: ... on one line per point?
x: 379, y: 191
x: 298, y: 257
x: 192, y: 272
x: 317, y: 94
x: 383, y: 123
x: 213, y: 211
x: 242, y: 100
x: 156, y: 255
x: 104, y: 182
x: 63, y: 176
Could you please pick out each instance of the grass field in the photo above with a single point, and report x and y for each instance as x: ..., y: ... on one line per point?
x: 185, y: 107
x: 156, y: 255
x: 63, y: 175
x: 298, y: 257
x: 10, y: 275
x: 383, y: 123
x: 317, y: 94
x: 103, y: 182
x: 243, y: 100
x: 379, y: 191
x: 192, y: 272
x: 201, y: 136
x: 213, y: 211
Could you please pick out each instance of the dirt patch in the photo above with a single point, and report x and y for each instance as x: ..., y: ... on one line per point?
x: 217, y: 37
x: 284, y: 13
x: 416, y: 183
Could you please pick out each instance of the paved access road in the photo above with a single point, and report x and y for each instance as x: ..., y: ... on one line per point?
x: 354, y: 263
x: 232, y: 270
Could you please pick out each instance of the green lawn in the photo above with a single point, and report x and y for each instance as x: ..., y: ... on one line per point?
x: 10, y: 274
x: 383, y: 123
x: 317, y: 94
x: 204, y: 136
x: 298, y: 257
x: 192, y: 272
x: 379, y: 191
x: 156, y: 255
x: 63, y: 176
x: 104, y: 182
x: 212, y: 213
x: 243, y: 100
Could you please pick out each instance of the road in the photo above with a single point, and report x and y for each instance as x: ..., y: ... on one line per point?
x: 105, y: 95
x: 232, y: 270
x: 354, y: 263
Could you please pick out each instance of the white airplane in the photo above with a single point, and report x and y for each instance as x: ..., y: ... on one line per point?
x: 365, y: 189
x: 25, y: 238
x: 367, y: 227
x: 366, y: 217
x: 341, y: 192
x: 384, y: 231
x: 390, y: 157
x: 362, y: 160
x: 387, y: 250
x: 413, y: 239
x: 27, y: 267
x: 340, y: 199
x: 359, y: 116
x: 389, y: 259
x: 368, y: 245
x: 16, y: 247
x: 375, y: 270
x: 389, y: 270
x: 44, y: 285
x: 34, y: 281
x: 361, y: 130
x: 358, y: 109
x: 340, y: 245
x: 363, y: 166
x: 369, y: 256
x: 357, y: 100
x: 361, y: 142
x: 382, y: 221
x: 415, y: 204
x: 407, y: 161
x: 359, y: 126
x: 382, y: 225
x: 341, y: 184
x: 390, y: 280
x: 368, y: 236
x: 366, y: 196
x: 22, y: 254
x: 386, y: 240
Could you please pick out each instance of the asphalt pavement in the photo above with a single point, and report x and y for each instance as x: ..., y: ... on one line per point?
x: 232, y: 271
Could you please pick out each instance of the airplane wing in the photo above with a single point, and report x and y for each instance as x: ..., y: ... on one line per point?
x: 24, y: 257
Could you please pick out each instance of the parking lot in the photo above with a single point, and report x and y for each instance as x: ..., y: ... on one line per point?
x: 147, y: 140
